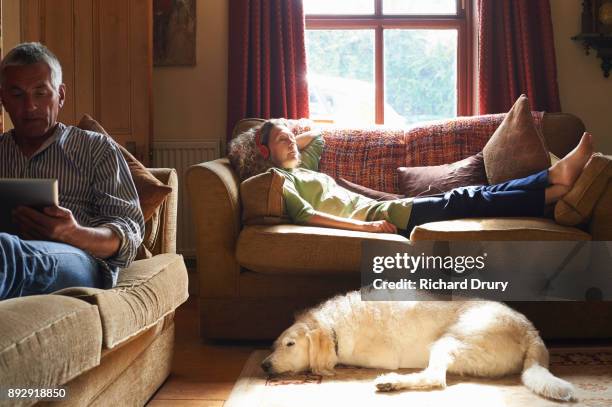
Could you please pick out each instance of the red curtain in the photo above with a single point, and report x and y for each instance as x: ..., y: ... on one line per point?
x: 267, y: 60
x: 516, y: 54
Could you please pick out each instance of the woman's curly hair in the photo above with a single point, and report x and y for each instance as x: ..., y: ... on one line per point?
x: 244, y: 154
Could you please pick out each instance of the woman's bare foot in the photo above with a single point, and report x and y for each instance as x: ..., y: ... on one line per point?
x: 566, y: 171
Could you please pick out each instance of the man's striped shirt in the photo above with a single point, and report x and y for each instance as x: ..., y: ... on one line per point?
x: 94, y: 183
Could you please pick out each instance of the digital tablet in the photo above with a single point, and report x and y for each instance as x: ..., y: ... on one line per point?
x: 33, y: 192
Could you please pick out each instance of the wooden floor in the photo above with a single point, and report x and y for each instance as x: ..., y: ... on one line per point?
x: 203, y: 374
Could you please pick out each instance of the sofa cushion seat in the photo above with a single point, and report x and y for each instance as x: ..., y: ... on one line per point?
x: 303, y: 249
x: 47, y: 340
x: 500, y: 229
x: 146, y: 292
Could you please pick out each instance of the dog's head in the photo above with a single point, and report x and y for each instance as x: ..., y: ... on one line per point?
x: 302, y: 348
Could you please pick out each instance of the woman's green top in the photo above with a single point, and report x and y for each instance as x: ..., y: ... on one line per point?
x: 307, y: 191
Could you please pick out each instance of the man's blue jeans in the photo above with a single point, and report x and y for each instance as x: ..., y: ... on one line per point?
x: 30, y: 267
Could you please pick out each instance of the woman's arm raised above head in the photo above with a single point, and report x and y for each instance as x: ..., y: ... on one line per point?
x: 304, y: 139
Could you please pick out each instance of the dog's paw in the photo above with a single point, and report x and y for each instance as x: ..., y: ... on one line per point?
x: 387, y: 382
x: 325, y: 372
x: 560, y: 390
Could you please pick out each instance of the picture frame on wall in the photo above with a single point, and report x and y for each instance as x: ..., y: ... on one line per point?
x: 597, y: 17
x: 174, y: 30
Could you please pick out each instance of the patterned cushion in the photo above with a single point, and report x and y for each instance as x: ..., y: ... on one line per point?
x: 517, y: 148
x: 370, y: 156
x: 366, y: 156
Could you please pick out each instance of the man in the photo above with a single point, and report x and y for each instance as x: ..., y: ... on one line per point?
x: 98, y: 225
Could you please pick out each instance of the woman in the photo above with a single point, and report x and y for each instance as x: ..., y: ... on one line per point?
x: 313, y: 198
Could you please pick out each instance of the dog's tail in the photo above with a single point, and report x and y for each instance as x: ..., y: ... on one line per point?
x: 536, y: 375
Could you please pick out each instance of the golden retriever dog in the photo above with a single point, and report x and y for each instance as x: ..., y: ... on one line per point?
x: 476, y: 338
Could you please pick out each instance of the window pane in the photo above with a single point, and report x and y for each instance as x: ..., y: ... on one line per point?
x: 338, y: 6
x: 420, y: 6
x: 420, y: 75
x: 341, y: 75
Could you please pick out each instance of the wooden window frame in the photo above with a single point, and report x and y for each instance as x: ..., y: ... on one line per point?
x: 462, y: 21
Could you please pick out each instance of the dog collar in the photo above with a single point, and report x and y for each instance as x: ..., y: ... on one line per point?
x: 335, y: 338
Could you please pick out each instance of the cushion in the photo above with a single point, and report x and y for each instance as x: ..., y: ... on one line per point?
x: 146, y: 292
x: 262, y: 199
x: 47, y: 340
x: 517, y: 148
x: 415, y: 181
x: 370, y: 156
x: 279, y: 249
x: 151, y: 191
x: 562, y: 132
x: 553, y: 159
x: 600, y: 225
x: 367, y: 192
x: 578, y: 204
x: 500, y: 229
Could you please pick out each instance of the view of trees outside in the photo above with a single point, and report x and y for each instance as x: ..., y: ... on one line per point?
x: 420, y: 75
x: 420, y: 66
x: 341, y: 75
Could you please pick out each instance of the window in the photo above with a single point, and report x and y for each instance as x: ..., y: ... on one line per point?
x: 392, y: 62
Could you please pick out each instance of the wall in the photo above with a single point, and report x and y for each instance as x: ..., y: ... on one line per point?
x: 190, y: 102
x: 11, y: 35
x: 199, y: 112
x: 583, y: 89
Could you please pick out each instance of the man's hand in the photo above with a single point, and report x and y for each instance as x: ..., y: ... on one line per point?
x: 53, y: 223
x: 380, y: 226
x: 58, y: 224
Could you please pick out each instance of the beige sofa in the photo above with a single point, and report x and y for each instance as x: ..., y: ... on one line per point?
x: 253, y: 278
x: 105, y: 347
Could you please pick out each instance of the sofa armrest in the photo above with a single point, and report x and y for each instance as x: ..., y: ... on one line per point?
x: 213, y: 189
x: 600, y: 226
x: 166, y: 230
x: 146, y: 292
x: 46, y: 341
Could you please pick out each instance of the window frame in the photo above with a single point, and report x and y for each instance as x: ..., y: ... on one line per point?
x: 462, y: 21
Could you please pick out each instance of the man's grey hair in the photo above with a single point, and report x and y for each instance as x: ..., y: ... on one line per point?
x: 29, y: 53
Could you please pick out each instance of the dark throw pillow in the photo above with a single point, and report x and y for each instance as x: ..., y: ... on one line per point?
x: 421, y: 181
x: 151, y: 191
x: 367, y: 192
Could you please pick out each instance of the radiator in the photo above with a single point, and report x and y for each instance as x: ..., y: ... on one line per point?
x: 181, y: 155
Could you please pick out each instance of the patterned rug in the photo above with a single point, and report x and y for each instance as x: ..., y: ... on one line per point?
x: 589, y: 369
